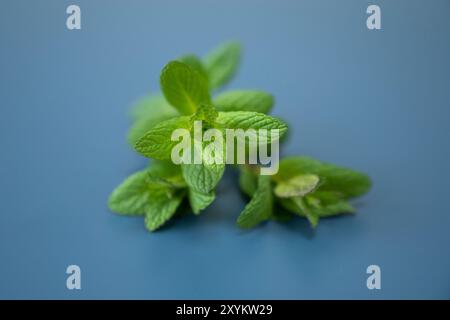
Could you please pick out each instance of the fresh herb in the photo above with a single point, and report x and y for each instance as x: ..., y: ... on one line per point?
x: 302, y: 187
x: 307, y: 188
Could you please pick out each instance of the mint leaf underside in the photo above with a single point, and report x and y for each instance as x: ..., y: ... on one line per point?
x: 297, y: 186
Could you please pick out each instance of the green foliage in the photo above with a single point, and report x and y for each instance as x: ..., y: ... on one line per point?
x: 303, y: 187
x: 260, y: 206
x: 147, y: 113
x: 199, y: 200
x: 297, y: 186
x: 184, y: 87
x: 195, y: 63
x: 132, y: 196
x: 162, y: 206
x: 249, y: 120
x: 314, y: 189
x: 155, y: 193
x: 221, y: 64
x: 157, y: 143
x: 248, y: 180
x: 206, y: 113
x: 244, y: 100
x: 202, y: 177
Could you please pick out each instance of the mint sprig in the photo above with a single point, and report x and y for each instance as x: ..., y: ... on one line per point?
x: 302, y: 187
x: 309, y: 188
x: 155, y: 193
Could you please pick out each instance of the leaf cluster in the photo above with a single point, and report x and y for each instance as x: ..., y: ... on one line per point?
x: 303, y: 186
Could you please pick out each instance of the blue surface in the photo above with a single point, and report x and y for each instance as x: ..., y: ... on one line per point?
x: 377, y: 101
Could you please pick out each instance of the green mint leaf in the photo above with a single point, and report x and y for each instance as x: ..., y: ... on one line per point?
x: 206, y: 113
x: 249, y: 120
x: 202, y: 177
x: 297, y: 205
x: 162, y: 205
x: 290, y: 205
x: 310, y: 214
x: 317, y: 205
x: 156, y: 143
x: 327, y: 210
x: 199, y: 200
x: 195, y: 63
x: 248, y: 180
x: 163, y: 169
x: 147, y: 113
x: 221, y: 64
x: 347, y: 182
x: 184, y: 87
x: 260, y: 206
x: 244, y: 100
x: 165, y: 173
x: 132, y: 195
x: 326, y: 203
x: 323, y: 198
x: 299, y: 186
x: 151, y: 105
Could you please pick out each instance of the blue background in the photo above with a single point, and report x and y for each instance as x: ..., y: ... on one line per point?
x: 377, y: 101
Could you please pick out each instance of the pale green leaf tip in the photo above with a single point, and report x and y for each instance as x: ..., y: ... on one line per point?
x: 314, y: 222
x: 232, y: 43
x: 151, y: 227
x: 243, y: 225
